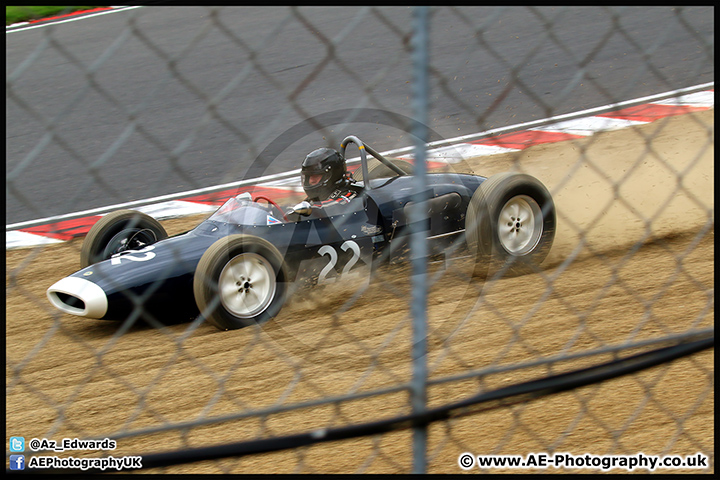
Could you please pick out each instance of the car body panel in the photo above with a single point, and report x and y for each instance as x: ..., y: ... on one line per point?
x: 336, y: 239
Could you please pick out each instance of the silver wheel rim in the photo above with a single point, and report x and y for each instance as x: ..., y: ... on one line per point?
x: 520, y: 225
x: 247, y: 285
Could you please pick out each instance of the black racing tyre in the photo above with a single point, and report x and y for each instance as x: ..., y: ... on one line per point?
x: 240, y: 280
x: 510, y: 223
x: 380, y: 170
x: 117, y: 232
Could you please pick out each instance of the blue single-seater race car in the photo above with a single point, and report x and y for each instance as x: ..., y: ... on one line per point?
x: 236, y: 267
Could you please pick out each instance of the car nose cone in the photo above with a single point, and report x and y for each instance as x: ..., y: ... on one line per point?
x: 78, y: 296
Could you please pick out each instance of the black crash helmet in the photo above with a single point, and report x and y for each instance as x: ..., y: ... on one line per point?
x: 323, y: 171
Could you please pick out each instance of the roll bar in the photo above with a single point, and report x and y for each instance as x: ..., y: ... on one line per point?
x: 363, y: 157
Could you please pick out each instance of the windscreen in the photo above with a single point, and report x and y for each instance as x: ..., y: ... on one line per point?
x: 241, y: 210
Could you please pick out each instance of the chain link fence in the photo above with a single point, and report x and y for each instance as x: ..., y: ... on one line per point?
x: 604, y: 349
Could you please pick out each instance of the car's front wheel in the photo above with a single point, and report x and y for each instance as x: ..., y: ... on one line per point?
x: 239, y: 281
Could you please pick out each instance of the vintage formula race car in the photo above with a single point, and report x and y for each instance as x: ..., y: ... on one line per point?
x: 235, y: 268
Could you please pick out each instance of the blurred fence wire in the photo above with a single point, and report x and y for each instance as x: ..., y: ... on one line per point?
x: 435, y: 351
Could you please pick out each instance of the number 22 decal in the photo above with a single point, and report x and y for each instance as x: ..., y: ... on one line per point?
x: 328, y: 250
x: 134, y: 255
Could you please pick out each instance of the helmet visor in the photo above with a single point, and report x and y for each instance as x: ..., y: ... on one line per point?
x: 313, y: 179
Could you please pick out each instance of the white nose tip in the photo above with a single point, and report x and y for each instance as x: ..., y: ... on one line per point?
x: 78, y: 296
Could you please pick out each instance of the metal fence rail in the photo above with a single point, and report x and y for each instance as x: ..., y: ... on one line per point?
x: 405, y: 367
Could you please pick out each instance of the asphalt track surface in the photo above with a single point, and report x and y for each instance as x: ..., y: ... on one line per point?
x: 529, y: 76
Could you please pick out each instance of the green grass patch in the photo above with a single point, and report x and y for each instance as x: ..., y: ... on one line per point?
x: 25, y: 14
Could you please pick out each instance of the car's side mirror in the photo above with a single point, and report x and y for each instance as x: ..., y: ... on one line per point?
x: 303, y: 208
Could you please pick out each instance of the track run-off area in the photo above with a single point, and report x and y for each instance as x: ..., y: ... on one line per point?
x: 632, y: 261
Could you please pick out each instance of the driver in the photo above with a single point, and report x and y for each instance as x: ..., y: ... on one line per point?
x: 326, y: 180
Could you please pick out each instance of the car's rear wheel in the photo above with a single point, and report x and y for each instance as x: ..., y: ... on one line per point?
x: 239, y: 281
x: 510, y: 223
x: 117, y: 232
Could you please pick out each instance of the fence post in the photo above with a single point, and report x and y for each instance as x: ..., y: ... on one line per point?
x: 418, y: 236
